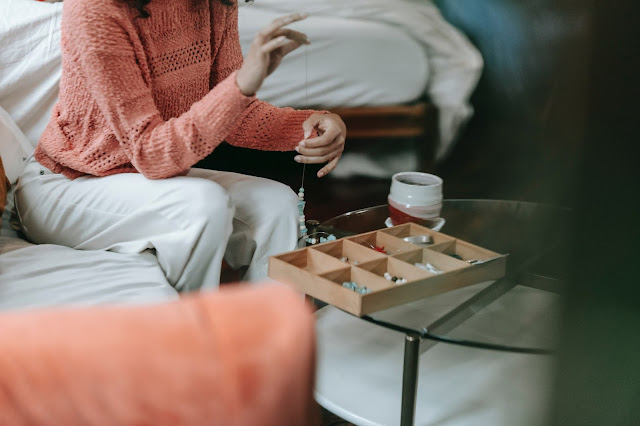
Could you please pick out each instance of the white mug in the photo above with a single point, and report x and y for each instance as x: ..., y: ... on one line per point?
x: 414, y: 197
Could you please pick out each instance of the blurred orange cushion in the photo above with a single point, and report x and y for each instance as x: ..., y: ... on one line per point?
x: 240, y: 356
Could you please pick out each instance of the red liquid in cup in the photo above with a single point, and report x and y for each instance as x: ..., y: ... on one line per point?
x: 399, y: 217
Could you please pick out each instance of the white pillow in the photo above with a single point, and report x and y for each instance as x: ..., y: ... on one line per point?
x: 30, y: 63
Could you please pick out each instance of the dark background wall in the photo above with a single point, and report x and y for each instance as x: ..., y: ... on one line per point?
x: 532, y: 51
x: 557, y: 113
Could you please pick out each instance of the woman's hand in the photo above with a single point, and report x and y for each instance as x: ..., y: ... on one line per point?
x: 268, y: 48
x: 327, y: 147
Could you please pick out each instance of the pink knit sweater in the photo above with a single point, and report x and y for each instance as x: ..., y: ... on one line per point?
x: 154, y: 95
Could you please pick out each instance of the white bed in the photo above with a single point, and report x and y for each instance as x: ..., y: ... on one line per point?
x: 350, y: 63
x: 368, y: 53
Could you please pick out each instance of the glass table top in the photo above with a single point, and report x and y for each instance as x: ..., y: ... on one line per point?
x: 518, y: 313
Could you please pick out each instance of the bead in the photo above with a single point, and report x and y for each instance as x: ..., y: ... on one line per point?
x: 301, y: 217
x: 428, y: 267
x: 351, y: 285
x: 394, y: 279
x: 387, y: 276
x: 344, y: 259
x: 301, y: 190
x: 331, y: 237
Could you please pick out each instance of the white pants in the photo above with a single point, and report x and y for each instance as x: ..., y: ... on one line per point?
x: 191, y: 222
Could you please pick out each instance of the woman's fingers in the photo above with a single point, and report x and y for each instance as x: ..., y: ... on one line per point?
x: 290, y: 47
x: 319, y: 151
x: 329, y: 167
x: 274, y: 44
x: 293, y: 35
x: 304, y: 159
x: 327, y: 147
x: 267, y: 33
x: 324, y: 139
x: 277, y: 54
x: 294, y: 39
x: 268, y: 48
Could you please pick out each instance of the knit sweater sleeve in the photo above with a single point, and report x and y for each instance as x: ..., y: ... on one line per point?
x: 101, y: 44
x: 262, y: 125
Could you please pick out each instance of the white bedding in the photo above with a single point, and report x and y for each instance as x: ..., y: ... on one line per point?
x: 349, y: 63
x: 454, y: 64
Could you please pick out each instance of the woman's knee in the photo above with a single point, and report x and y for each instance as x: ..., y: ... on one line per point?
x: 206, y: 201
x: 280, y: 199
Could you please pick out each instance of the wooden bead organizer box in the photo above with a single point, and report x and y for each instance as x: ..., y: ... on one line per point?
x: 387, y: 270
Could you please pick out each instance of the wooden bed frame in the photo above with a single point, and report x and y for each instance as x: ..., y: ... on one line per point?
x: 417, y: 121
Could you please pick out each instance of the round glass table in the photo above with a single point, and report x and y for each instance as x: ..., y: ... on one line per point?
x: 392, y: 367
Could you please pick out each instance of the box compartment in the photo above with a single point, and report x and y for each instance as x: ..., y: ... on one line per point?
x: 360, y: 276
x: 440, y: 261
x: 312, y: 261
x: 391, y: 245
x: 396, y: 268
x: 412, y: 230
x: 352, y: 251
x: 465, y: 250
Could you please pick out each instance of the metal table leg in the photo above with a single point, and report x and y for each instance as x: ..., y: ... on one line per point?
x: 410, y: 379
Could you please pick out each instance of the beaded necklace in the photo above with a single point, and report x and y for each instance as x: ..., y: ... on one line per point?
x: 301, y: 202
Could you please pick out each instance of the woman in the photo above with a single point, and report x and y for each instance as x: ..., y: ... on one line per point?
x: 148, y: 89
